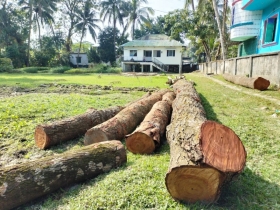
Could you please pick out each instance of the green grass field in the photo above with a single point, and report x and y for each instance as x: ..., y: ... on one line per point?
x: 140, y: 184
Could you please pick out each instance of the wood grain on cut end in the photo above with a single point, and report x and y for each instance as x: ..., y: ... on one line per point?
x: 261, y: 83
x: 98, y: 136
x: 194, y: 183
x: 221, y: 147
x: 41, y: 138
x: 140, y: 143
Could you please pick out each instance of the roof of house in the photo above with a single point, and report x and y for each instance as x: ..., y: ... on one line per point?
x: 153, y: 40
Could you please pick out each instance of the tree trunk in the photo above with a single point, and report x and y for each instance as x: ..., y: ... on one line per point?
x: 47, y: 135
x: 22, y: 183
x: 146, y: 138
x: 258, y: 83
x: 124, y: 122
x: 204, y: 154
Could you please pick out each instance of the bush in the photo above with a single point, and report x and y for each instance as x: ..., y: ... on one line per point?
x: 6, y: 65
x: 79, y: 71
x: 34, y: 69
x: 60, y: 70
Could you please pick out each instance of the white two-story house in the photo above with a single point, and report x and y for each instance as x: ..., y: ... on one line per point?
x: 152, y: 53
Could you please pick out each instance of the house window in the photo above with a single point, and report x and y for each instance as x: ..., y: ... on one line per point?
x: 133, y: 53
x: 79, y: 59
x: 170, y: 53
x: 270, y: 29
x: 157, y: 53
x: 147, y: 53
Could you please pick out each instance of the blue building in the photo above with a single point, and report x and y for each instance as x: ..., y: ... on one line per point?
x: 255, y: 23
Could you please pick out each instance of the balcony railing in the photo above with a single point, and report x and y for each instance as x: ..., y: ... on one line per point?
x: 137, y: 59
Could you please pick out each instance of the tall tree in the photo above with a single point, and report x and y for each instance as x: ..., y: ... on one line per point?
x: 112, y: 11
x: 188, y: 3
x: 87, y: 21
x: 139, y: 15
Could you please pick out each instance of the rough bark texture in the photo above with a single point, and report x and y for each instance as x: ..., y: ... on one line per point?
x: 197, y: 169
x: 147, y: 136
x: 47, y: 135
x: 258, y: 83
x: 22, y: 183
x: 124, y: 122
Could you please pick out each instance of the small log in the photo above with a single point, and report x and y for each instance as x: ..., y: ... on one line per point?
x: 204, y: 155
x: 47, y: 135
x: 146, y: 138
x: 258, y: 83
x: 22, y: 183
x: 124, y: 122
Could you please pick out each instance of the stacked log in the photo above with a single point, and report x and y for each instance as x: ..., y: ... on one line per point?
x: 204, y: 154
x: 47, y: 135
x: 258, y: 83
x: 124, y: 122
x: 171, y: 81
x: 147, y: 137
x: 22, y: 183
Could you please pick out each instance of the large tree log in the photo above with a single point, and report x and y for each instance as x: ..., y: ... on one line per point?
x: 124, y: 122
x: 258, y: 83
x: 146, y: 138
x: 22, y: 183
x: 204, y: 154
x: 47, y: 135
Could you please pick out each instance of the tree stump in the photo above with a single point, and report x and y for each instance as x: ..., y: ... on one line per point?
x: 146, y: 138
x: 258, y: 83
x: 22, y: 183
x: 203, y: 154
x: 47, y: 135
x: 124, y: 122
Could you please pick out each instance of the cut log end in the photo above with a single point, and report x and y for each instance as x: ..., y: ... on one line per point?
x: 261, y: 83
x: 98, y: 136
x: 191, y: 184
x: 140, y: 143
x: 222, y: 148
x: 41, y: 138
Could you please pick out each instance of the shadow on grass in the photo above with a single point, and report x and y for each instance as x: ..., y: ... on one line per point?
x: 210, y: 114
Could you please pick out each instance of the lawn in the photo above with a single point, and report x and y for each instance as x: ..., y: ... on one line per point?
x: 140, y: 183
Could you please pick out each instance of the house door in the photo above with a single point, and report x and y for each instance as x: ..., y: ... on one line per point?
x: 148, y: 55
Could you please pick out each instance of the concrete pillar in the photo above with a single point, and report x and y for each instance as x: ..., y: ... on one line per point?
x: 151, y: 68
x: 142, y: 70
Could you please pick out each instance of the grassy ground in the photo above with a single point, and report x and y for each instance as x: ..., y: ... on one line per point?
x: 140, y: 183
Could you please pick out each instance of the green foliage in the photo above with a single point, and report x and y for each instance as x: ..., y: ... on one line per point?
x: 79, y: 71
x: 34, y: 69
x: 60, y: 69
x: 93, y: 57
x: 106, y: 45
x: 6, y: 65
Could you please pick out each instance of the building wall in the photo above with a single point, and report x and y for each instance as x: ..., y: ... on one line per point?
x: 272, y: 10
x: 164, y: 59
x: 248, y: 47
x: 265, y: 65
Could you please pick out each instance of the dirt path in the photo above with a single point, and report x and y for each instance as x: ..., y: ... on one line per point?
x: 241, y: 89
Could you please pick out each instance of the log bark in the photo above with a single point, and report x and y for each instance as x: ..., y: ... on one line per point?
x: 204, y: 154
x: 47, y: 135
x: 124, y: 122
x: 258, y: 83
x: 22, y: 183
x: 147, y: 137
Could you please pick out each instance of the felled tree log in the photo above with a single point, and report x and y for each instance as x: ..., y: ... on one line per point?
x: 204, y: 154
x: 22, y: 183
x: 171, y: 81
x: 146, y: 138
x: 258, y: 83
x: 47, y: 135
x: 124, y: 122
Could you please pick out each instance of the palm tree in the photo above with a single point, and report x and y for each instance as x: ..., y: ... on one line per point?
x: 87, y: 21
x: 113, y: 12
x: 39, y: 11
x: 138, y: 14
x: 189, y: 2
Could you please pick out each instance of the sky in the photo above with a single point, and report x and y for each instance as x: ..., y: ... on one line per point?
x: 161, y: 7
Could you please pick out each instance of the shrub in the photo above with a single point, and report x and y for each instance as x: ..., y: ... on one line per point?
x: 6, y: 65
x: 79, y: 71
x: 60, y: 69
x: 34, y: 69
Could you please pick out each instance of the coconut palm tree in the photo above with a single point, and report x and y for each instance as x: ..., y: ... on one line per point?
x: 112, y: 11
x: 138, y: 14
x: 188, y: 3
x: 87, y: 21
